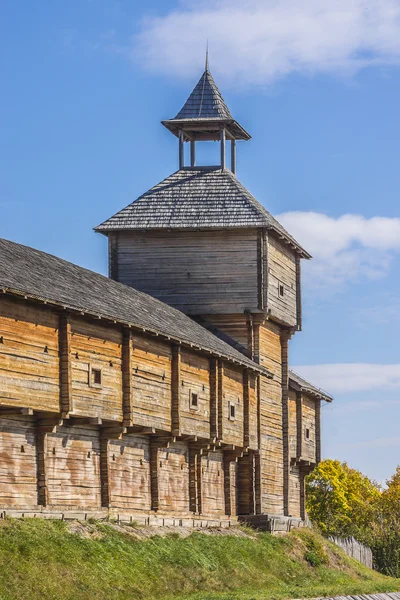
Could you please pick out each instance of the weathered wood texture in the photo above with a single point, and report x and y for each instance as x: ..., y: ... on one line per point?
x: 269, y: 349
x: 232, y: 427
x: 96, y: 346
x: 29, y: 362
x: 151, y: 372
x: 293, y: 418
x: 212, y: 479
x: 309, y: 438
x: 295, y: 480
x: 73, y: 467
x: 18, y: 461
x: 210, y: 272
x: 173, y: 478
x: 194, y: 394
x: 233, y: 326
x: 250, y: 421
x: 282, y: 272
x: 129, y: 467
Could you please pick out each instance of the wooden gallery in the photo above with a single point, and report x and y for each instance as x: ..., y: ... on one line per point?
x: 162, y: 392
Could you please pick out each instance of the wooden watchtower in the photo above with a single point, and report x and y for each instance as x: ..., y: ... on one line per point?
x: 200, y: 241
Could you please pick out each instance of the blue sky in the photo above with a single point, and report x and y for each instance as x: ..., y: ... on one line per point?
x: 85, y: 85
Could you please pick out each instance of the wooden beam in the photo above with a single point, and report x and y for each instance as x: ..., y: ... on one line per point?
x: 192, y: 153
x: 105, y: 469
x: 195, y: 487
x: 127, y: 381
x: 246, y: 408
x: 181, y: 150
x: 318, y: 431
x: 285, y: 419
x: 41, y: 456
x: 154, y: 489
x: 223, y: 149
x: 214, y: 398
x: 233, y: 156
x: 299, y: 311
x: 8, y: 411
x: 64, y: 344
x: 176, y: 390
x: 220, y: 399
x: 299, y: 425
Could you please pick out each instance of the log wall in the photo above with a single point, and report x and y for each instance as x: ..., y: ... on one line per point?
x: 269, y: 346
x: 198, y: 274
x: 29, y: 362
x: 282, y: 271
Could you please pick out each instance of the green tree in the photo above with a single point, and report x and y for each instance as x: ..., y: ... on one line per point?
x: 341, y: 500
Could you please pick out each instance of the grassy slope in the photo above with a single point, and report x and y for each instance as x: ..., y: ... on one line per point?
x: 44, y: 559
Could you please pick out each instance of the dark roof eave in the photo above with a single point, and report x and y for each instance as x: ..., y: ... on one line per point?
x: 230, y: 124
x: 83, y: 311
x: 311, y: 390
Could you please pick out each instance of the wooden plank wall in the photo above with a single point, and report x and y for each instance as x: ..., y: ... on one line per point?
x: 309, y: 445
x: 129, y: 472
x: 271, y: 420
x: 73, y: 467
x: 232, y: 393
x: 197, y: 274
x: 195, y: 379
x: 212, y: 484
x: 18, y: 461
x: 29, y: 362
x: 151, y: 371
x: 295, y: 491
x: 173, y: 478
x: 293, y: 443
x: 282, y: 271
x: 96, y: 346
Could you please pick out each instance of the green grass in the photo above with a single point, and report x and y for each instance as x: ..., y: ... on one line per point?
x: 46, y: 560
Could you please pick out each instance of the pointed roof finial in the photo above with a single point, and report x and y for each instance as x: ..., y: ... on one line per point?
x: 207, y: 56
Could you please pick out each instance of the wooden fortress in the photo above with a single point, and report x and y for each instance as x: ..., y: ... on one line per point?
x: 163, y: 392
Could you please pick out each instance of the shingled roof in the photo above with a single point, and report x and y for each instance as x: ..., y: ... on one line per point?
x: 206, y: 105
x: 302, y: 385
x: 39, y: 276
x: 193, y: 198
x: 205, y: 102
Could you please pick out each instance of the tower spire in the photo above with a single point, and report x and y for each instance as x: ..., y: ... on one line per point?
x: 207, y: 56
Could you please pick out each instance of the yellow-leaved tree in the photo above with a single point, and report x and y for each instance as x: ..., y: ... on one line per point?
x: 342, y: 501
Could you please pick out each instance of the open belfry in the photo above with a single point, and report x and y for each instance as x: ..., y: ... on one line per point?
x: 162, y: 394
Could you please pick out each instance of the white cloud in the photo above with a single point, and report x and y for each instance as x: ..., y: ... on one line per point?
x: 346, y: 249
x: 352, y: 377
x: 260, y: 41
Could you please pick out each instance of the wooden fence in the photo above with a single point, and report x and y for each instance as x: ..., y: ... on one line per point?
x: 356, y: 550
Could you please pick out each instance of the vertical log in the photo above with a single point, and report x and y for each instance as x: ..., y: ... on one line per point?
x: 220, y: 399
x: 318, y: 431
x: 298, y: 294
x: 127, y: 382
x: 105, y: 471
x: 299, y: 425
x: 64, y: 344
x: 41, y: 450
x: 176, y: 391
x: 285, y: 420
x: 154, y: 474
x: 181, y: 151
x: 199, y: 480
x: 302, y: 494
x: 192, y: 153
x: 246, y: 408
x: 223, y: 149
x: 233, y: 156
x: 193, y: 475
x: 214, y: 431
x: 230, y: 503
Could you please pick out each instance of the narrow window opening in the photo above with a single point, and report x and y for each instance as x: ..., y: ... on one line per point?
x: 281, y: 290
x: 232, y: 411
x: 307, y: 433
x: 194, y: 400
